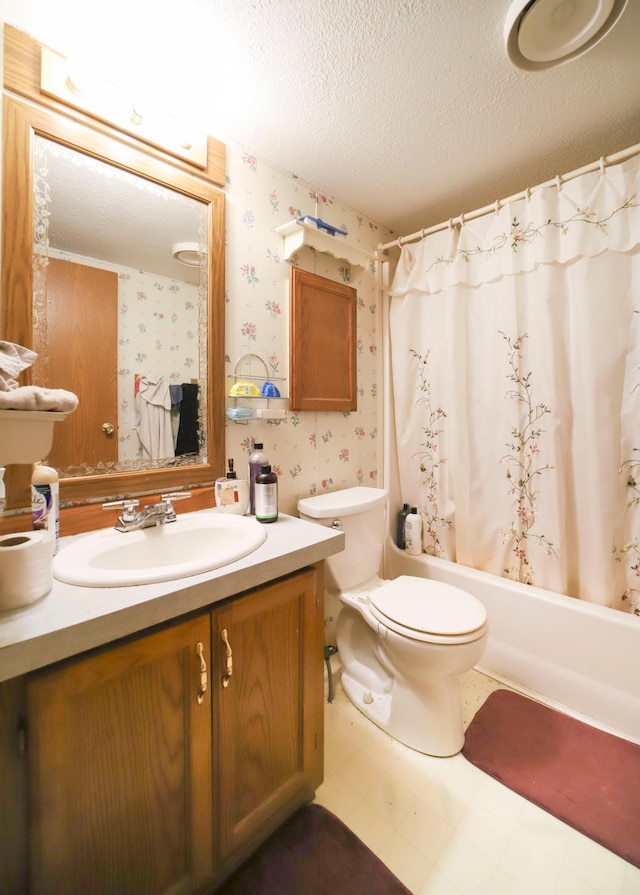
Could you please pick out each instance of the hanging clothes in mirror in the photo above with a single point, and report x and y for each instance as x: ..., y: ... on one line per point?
x: 188, y: 429
x: 153, y: 417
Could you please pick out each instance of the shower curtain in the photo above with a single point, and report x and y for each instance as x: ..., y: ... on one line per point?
x: 515, y: 355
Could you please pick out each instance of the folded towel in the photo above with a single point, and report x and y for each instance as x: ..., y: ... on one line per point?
x: 13, y: 360
x: 33, y: 397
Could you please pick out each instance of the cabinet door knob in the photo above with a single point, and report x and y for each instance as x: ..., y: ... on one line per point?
x: 108, y: 428
x: 202, y: 689
x: 228, y: 662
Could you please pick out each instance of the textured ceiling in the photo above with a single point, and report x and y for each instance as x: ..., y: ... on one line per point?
x: 406, y: 110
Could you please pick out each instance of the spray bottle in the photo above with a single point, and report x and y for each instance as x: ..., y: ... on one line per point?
x: 45, y: 502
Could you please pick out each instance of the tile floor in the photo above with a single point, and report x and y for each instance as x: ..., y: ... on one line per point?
x: 444, y: 827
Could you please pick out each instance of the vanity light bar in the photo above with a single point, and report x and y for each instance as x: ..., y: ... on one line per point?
x: 108, y: 102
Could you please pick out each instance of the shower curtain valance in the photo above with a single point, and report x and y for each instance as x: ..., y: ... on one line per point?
x: 598, y: 212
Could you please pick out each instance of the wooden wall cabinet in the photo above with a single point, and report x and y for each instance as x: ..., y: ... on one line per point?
x: 322, y: 367
x: 146, y: 775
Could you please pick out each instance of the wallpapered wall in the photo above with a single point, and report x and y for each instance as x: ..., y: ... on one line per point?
x: 311, y: 452
x: 157, y: 337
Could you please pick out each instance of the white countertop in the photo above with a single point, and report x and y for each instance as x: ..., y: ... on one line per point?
x: 71, y: 619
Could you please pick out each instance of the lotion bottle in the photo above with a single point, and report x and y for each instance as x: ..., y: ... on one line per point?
x: 266, y: 493
x: 413, y: 532
x: 45, y: 502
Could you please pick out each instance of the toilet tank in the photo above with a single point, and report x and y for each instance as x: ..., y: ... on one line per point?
x: 361, y: 515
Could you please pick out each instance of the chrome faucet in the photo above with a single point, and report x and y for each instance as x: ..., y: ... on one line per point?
x: 149, y: 516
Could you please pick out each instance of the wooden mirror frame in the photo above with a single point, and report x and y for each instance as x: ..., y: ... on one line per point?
x: 21, y: 122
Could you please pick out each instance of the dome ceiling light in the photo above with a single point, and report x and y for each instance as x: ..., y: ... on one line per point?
x: 543, y: 33
x: 188, y: 253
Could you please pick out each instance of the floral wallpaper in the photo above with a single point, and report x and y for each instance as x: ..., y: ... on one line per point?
x: 157, y: 319
x: 311, y: 452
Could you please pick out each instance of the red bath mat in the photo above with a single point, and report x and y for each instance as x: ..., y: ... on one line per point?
x: 585, y: 777
x: 313, y: 853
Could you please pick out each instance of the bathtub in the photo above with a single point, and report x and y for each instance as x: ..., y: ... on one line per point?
x: 576, y: 656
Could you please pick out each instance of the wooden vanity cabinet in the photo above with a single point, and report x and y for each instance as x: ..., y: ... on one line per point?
x: 152, y: 771
x: 268, y: 705
x: 119, y: 759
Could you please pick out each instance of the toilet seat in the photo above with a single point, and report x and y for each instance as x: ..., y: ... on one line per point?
x: 427, y: 610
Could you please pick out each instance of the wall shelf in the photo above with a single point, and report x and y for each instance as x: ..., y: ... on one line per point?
x: 297, y: 234
x: 244, y: 407
x: 26, y: 436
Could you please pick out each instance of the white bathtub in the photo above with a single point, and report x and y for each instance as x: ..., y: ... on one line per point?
x: 576, y: 655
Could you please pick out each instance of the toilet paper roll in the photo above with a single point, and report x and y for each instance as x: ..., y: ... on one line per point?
x: 25, y: 567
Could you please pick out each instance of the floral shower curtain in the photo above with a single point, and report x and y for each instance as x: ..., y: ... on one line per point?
x: 515, y: 351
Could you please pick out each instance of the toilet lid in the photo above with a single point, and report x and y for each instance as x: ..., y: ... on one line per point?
x: 428, y: 606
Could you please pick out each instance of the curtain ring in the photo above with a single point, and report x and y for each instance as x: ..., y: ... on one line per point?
x: 399, y: 242
x: 528, y: 193
x: 450, y: 223
x: 497, y: 206
x: 558, y: 183
x: 462, y: 220
x: 602, y: 166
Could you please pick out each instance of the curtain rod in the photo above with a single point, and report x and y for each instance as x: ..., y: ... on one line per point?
x: 602, y: 163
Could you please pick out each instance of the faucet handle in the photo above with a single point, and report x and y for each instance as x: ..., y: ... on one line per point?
x: 166, y: 504
x: 175, y: 495
x: 128, y: 506
x: 121, y: 504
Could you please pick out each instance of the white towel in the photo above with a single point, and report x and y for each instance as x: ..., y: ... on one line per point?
x: 34, y: 397
x: 13, y: 360
x: 153, y: 411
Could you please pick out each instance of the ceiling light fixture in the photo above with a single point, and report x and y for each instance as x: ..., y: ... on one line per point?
x: 543, y: 33
x: 76, y: 85
x: 188, y: 253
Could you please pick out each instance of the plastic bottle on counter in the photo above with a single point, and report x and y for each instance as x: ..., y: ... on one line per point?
x: 257, y: 459
x: 402, y: 515
x: 413, y: 532
x: 45, y: 502
x: 266, y: 494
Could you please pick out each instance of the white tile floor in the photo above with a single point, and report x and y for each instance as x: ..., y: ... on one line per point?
x: 444, y: 827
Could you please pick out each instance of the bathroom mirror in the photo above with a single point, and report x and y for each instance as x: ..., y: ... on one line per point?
x: 78, y: 200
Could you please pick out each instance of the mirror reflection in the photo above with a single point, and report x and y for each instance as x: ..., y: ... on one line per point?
x: 117, y: 318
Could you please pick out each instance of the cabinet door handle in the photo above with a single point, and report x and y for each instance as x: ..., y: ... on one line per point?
x: 202, y: 689
x: 228, y: 662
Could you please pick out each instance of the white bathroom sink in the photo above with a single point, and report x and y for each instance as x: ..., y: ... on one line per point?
x: 194, y: 543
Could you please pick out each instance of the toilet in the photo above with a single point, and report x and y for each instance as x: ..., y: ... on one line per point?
x: 402, y: 643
